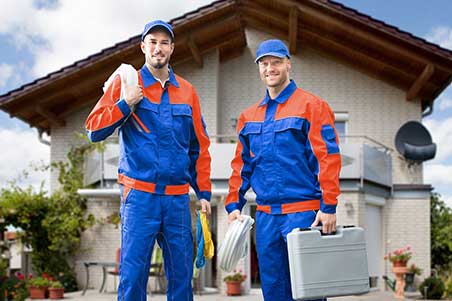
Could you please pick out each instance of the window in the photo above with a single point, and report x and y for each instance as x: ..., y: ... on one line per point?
x: 340, y: 124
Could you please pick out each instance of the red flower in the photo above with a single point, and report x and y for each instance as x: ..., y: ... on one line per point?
x: 20, y: 276
x: 47, y: 276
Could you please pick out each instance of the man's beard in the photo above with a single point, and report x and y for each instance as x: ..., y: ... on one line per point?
x: 159, y: 65
x: 281, y: 80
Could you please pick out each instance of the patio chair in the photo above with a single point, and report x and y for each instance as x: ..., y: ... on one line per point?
x: 115, y: 271
x: 156, y: 270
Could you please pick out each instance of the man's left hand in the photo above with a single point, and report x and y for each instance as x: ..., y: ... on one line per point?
x: 328, y: 222
x: 205, y: 206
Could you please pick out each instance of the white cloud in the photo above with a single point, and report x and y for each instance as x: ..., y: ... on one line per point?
x: 442, y: 36
x: 73, y: 30
x: 438, y: 174
x: 441, y: 131
x: 6, y: 72
x: 20, y: 149
x: 445, y: 103
x: 447, y: 199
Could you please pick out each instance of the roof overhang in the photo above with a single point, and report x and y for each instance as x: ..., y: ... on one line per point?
x: 382, y: 51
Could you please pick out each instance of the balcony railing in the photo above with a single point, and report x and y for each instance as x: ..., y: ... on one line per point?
x: 363, y: 158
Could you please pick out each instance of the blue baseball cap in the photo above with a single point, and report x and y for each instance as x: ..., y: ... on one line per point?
x: 272, y: 47
x: 157, y: 24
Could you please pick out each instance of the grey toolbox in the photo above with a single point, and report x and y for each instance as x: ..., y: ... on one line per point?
x: 327, y: 265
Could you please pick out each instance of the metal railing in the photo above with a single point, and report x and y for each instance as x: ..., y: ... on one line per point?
x: 363, y: 158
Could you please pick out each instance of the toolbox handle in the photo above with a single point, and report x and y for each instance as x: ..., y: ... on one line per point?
x: 319, y: 228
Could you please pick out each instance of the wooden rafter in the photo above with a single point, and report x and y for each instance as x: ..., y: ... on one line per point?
x: 51, y: 117
x: 195, y: 51
x: 293, y: 30
x: 420, y: 82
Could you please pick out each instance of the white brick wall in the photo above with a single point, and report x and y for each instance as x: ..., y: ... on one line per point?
x: 205, y: 81
x: 353, y: 216
x: 99, y: 243
x: 64, y: 137
x: 407, y: 222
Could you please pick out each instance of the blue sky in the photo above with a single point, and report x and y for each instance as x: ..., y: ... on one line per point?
x: 38, y: 37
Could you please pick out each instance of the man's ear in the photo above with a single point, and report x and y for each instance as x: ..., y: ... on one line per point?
x: 143, y: 46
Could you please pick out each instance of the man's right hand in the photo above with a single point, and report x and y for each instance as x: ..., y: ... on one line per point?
x: 234, y: 215
x: 133, y: 94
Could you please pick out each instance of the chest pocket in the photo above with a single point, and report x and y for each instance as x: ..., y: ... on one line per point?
x: 291, y: 134
x: 144, y: 117
x: 252, y: 132
x: 182, y: 123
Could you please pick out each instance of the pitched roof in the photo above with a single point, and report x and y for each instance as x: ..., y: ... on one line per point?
x: 419, y: 67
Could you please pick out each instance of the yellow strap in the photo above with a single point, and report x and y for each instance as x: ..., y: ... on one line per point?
x: 209, y: 248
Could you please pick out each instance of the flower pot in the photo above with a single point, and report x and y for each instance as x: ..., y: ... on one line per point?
x: 37, y: 292
x: 399, y: 264
x: 56, y: 293
x: 233, y: 288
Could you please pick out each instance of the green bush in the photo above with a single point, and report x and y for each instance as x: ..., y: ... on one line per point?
x: 38, y: 282
x: 51, y: 225
x: 13, y: 289
x: 55, y: 284
x: 441, y: 233
x: 432, y: 288
x: 448, y: 287
x: 68, y: 280
x: 3, y: 267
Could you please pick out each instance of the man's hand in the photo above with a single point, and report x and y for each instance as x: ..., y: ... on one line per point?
x: 205, y: 206
x: 234, y: 215
x: 328, y: 222
x: 132, y: 94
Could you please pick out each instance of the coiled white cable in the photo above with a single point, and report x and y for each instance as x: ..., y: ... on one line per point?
x: 235, y: 246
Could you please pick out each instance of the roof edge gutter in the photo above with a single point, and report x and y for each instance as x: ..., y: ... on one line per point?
x: 41, y: 139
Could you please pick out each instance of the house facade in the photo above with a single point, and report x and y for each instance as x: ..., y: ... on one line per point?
x: 374, y: 76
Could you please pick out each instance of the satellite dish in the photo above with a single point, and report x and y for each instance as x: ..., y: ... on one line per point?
x: 413, y: 142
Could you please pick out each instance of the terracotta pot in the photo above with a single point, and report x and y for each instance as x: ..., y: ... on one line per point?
x: 37, y: 292
x: 56, y: 293
x: 399, y: 263
x: 233, y: 288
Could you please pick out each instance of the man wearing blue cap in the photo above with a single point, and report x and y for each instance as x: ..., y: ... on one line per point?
x: 163, y: 151
x: 288, y: 153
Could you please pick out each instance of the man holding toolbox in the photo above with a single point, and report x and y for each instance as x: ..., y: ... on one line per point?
x: 288, y: 153
x: 163, y: 150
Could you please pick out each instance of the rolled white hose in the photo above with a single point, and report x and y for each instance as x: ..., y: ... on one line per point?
x: 128, y: 74
x: 235, y: 246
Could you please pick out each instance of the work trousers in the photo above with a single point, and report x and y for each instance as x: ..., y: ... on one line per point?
x: 271, y: 244
x: 145, y: 218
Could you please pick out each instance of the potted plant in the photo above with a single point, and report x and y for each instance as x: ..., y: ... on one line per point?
x: 56, y: 290
x: 399, y: 257
x: 413, y: 270
x: 432, y: 288
x: 37, y: 287
x: 233, y: 283
x: 14, y: 287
